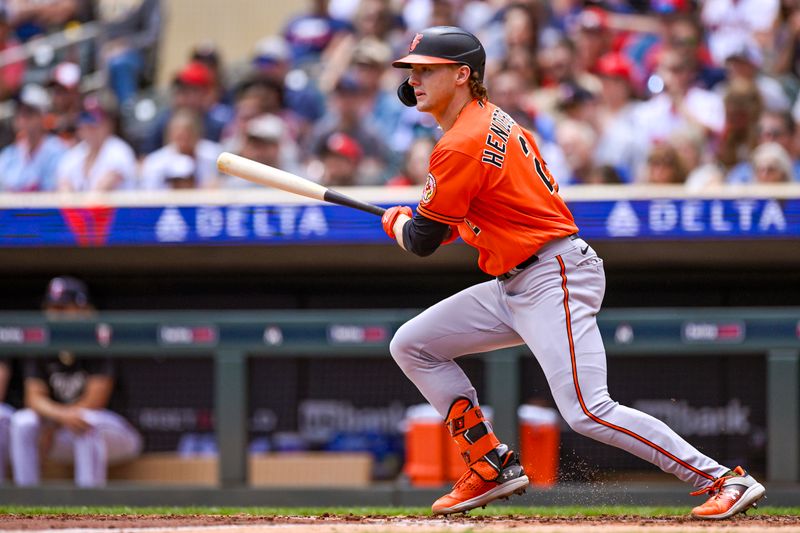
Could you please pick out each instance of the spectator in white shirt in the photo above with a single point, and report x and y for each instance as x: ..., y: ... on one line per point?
x: 30, y: 162
x: 101, y: 161
x: 678, y: 102
x: 184, y: 138
x: 732, y: 23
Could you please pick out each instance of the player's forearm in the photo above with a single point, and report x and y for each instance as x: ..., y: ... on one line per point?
x: 398, y: 227
x: 97, y: 393
x: 45, y: 407
x: 422, y: 236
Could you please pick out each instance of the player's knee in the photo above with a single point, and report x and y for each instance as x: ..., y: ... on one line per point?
x: 25, y: 420
x: 402, y: 347
x: 6, y: 411
x: 93, y: 417
x: 399, y: 348
x: 580, y: 422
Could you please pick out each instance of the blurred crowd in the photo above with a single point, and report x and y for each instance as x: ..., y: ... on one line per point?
x: 702, y: 93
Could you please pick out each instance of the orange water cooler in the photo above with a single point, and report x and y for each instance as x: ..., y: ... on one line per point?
x: 432, y: 458
x: 539, y: 437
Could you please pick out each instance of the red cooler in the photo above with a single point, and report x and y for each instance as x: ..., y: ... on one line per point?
x: 539, y: 437
x: 432, y: 457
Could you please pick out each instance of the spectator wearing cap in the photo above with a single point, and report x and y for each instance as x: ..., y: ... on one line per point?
x: 267, y: 142
x: 339, y: 160
x: 65, y: 92
x: 744, y: 64
x: 66, y: 417
x: 30, y: 163
x: 592, y: 38
x: 619, y: 145
x: 348, y: 113
x: 167, y: 167
x: 272, y: 61
x: 259, y: 96
x: 369, y: 62
x: 12, y: 74
x: 265, y: 139
x: 128, y: 44
x: 577, y: 103
x: 101, y: 161
x: 208, y: 53
x: 194, y: 87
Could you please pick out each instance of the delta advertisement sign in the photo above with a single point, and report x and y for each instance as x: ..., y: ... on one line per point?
x: 320, y: 224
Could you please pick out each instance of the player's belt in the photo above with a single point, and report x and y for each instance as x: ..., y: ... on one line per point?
x: 528, y: 262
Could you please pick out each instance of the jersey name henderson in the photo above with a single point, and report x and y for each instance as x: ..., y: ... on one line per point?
x: 497, y: 138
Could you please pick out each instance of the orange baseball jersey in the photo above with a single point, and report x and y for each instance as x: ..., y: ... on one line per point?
x: 487, y: 177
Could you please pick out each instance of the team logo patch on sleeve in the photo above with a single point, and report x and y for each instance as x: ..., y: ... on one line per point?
x: 429, y: 191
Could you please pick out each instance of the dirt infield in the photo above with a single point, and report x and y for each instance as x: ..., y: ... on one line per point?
x: 326, y: 523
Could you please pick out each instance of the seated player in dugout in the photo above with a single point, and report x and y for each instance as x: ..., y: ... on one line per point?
x: 488, y: 184
x: 65, y: 418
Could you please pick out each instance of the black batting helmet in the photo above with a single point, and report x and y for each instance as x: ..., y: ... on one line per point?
x: 437, y: 46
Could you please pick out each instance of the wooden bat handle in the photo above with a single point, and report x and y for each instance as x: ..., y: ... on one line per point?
x: 262, y: 174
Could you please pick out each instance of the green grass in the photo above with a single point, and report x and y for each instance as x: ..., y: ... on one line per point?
x: 388, y: 511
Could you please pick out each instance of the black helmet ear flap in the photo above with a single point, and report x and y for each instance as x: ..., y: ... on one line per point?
x: 406, y: 94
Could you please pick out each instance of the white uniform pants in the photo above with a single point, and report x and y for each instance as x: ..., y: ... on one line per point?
x: 111, y: 440
x: 551, y: 307
x: 5, y: 420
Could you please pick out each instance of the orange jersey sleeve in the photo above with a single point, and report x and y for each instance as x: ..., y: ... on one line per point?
x: 487, y: 176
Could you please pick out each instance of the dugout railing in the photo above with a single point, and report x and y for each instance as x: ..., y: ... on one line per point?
x: 230, y: 338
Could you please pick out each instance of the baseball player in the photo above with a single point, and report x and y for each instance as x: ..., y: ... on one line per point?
x: 65, y: 418
x: 488, y: 184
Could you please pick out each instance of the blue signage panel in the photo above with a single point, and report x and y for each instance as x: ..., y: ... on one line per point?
x: 318, y: 224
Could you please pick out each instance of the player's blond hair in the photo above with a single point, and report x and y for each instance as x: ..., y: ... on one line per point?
x: 476, y: 87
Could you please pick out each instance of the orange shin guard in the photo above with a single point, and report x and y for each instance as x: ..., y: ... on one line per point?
x: 475, y: 439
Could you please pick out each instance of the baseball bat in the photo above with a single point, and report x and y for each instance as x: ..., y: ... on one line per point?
x: 262, y: 174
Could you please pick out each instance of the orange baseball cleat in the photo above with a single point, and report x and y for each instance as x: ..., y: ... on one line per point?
x: 472, y: 491
x: 493, y: 470
x: 735, y: 492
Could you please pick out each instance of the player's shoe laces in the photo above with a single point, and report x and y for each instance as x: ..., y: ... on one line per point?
x: 472, y: 491
x: 735, y: 492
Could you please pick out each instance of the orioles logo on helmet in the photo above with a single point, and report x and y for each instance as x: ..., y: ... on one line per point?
x: 415, y: 42
x: 429, y: 191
